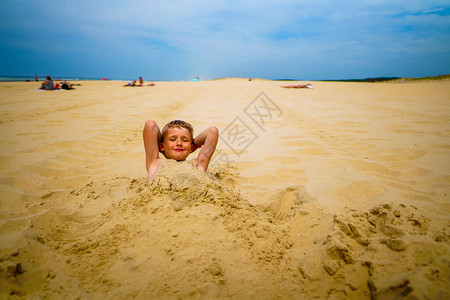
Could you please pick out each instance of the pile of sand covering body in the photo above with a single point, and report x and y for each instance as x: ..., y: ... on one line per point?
x: 190, y: 234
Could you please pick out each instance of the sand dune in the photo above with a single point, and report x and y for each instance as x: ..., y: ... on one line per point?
x: 340, y: 191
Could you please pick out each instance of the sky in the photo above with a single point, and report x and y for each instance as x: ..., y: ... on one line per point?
x: 181, y: 39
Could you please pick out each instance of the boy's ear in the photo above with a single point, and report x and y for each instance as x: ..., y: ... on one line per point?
x: 161, y: 147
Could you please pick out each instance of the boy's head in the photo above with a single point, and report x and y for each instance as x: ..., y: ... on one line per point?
x: 176, y: 140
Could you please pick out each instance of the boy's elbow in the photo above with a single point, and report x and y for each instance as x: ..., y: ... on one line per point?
x: 214, y: 131
x: 150, y: 124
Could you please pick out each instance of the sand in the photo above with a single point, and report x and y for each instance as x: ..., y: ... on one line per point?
x: 340, y: 191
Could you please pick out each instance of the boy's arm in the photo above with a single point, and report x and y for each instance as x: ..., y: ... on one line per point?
x: 152, y: 136
x: 208, y: 139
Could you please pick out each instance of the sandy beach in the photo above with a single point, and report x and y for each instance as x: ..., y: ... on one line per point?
x: 340, y: 191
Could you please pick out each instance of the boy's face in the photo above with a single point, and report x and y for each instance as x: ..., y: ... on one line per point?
x: 177, y: 143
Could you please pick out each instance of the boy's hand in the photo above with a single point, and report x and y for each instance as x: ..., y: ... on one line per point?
x: 208, y: 138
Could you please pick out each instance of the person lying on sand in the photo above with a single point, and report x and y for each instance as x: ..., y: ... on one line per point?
x: 176, y: 141
x: 133, y: 83
x: 67, y: 85
x: 298, y: 86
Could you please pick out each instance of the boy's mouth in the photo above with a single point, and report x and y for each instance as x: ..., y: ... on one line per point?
x: 179, y: 149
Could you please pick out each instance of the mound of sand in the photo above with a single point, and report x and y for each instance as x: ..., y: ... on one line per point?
x: 188, y: 234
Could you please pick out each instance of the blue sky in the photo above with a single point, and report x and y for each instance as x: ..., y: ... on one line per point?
x: 180, y: 39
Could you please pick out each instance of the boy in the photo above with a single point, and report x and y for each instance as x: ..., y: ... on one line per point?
x: 176, y: 141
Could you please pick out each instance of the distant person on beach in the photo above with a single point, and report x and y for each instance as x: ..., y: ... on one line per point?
x: 176, y: 141
x: 67, y: 86
x: 36, y: 78
x: 133, y: 83
x: 298, y: 86
x: 141, y: 82
x: 47, y: 84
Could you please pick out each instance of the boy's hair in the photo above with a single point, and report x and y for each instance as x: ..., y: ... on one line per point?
x: 179, y: 124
